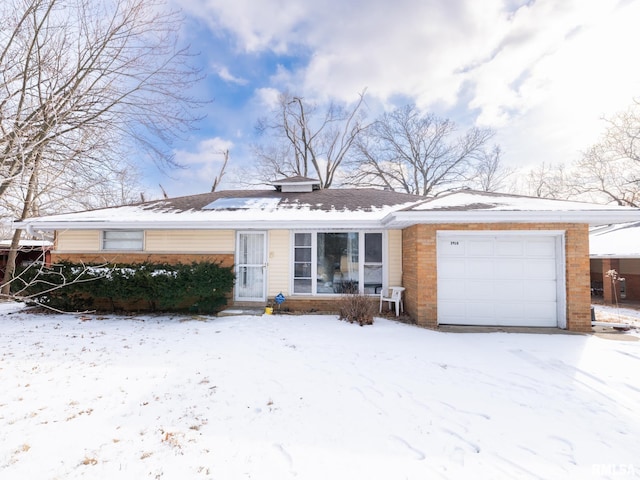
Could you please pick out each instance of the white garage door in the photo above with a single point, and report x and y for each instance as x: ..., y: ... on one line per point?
x: 498, y: 279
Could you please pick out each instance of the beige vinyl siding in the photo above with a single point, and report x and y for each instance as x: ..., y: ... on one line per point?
x: 394, y: 239
x: 78, y: 240
x: 278, y: 266
x: 190, y: 241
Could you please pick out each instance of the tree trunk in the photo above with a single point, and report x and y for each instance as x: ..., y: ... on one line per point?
x: 15, y: 241
x: 11, y: 263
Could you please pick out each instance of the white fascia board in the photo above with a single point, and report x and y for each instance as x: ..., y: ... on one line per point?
x: 225, y: 225
x: 597, y: 217
x: 502, y: 233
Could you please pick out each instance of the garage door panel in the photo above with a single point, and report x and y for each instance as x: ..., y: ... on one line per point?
x: 510, y: 289
x: 453, y: 311
x: 450, y: 289
x: 451, y: 267
x: 478, y: 267
x: 544, y: 291
x: 506, y: 312
x: 452, y: 247
x: 509, y: 268
x: 480, y: 309
x: 540, y: 247
x: 543, y: 313
x: 476, y: 247
x: 497, y: 279
x: 542, y: 268
x: 509, y: 248
x: 478, y: 289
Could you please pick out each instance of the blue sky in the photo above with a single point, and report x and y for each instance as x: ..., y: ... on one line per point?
x: 541, y: 73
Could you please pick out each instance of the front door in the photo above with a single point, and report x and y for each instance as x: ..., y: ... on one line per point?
x: 251, y: 266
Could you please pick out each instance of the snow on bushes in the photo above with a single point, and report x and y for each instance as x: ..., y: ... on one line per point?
x: 199, y: 286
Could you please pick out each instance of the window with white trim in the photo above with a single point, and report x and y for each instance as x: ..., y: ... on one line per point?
x: 302, y: 271
x: 337, y: 262
x: 372, y: 262
x: 129, y: 240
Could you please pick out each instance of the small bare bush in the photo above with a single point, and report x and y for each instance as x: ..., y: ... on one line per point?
x: 356, y: 308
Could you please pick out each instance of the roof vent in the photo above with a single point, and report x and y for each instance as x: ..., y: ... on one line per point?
x: 296, y: 184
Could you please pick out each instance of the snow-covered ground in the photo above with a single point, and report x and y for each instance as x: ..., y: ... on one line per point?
x: 309, y: 397
x: 610, y: 313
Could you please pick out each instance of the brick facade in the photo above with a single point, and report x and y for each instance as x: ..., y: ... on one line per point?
x: 627, y: 269
x: 314, y: 304
x: 632, y: 286
x: 420, y: 269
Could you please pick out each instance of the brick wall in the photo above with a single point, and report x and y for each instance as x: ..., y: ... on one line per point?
x: 632, y: 285
x: 420, y: 269
x: 319, y: 305
x: 626, y: 268
x: 578, y: 288
x: 610, y: 290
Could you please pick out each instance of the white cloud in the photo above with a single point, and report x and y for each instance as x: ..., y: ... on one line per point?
x: 208, y: 152
x: 201, y: 166
x: 541, y: 72
x: 560, y: 105
x: 224, y: 73
x: 257, y: 26
x: 267, y: 97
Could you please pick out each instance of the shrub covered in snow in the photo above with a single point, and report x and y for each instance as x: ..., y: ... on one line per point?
x: 201, y: 286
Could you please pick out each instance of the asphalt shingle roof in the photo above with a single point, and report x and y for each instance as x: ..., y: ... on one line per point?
x: 357, y: 199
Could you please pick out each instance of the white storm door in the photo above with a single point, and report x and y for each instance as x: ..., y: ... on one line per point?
x: 251, y: 266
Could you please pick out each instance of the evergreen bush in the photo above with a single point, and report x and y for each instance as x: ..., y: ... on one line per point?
x: 199, y: 287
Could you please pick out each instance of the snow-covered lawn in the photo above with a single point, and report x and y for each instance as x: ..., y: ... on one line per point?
x: 609, y: 313
x: 309, y: 397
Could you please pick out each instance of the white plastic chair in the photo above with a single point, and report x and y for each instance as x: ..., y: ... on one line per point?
x: 394, y: 295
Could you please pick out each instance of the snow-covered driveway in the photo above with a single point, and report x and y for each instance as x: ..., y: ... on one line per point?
x: 309, y: 397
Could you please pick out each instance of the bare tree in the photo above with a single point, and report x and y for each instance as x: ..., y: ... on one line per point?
x: 490, y: 174
x: 545, y: 181
x: 414, y: 153
x: 609, y: 171
x: 82, y: 83
x: 218, y: 179
x: 601, y: 175
x: 306, y: 140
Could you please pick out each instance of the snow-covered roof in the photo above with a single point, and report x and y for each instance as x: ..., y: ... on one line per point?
x: 615, y: 241
x: 25, y: 243
x: 233, y: 209
x: 333, y: 208
x: 484, y: 207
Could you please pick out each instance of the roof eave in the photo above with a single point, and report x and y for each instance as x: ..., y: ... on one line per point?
x: 45, y: 226
x: 400, y: 219
x: 592, y: 218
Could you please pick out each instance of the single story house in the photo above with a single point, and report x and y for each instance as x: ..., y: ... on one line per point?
x: 615, y: 247
x: 466, y: 258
